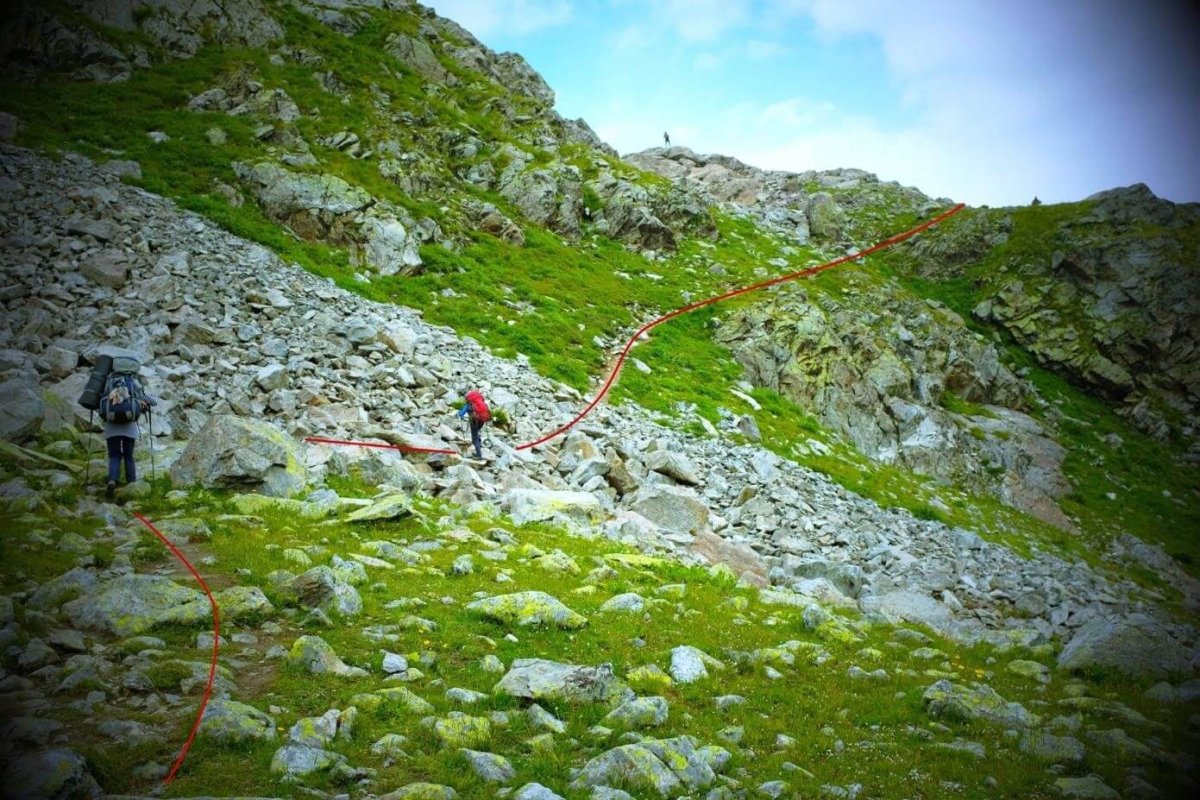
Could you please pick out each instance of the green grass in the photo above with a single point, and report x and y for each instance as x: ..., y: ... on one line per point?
x: 551, y: 299
x: 881, y: 726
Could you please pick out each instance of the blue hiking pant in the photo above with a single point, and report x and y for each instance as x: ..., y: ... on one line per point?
x: 475, y: 441
x: 120, y: 448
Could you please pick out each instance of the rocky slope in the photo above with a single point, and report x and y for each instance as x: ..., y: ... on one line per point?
x: 390, y: 151
x: 86, y: 254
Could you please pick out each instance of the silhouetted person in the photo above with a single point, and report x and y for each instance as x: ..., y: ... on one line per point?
x: 666, y: 139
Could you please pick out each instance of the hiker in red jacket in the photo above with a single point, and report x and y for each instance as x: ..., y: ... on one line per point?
x: 476, y: 410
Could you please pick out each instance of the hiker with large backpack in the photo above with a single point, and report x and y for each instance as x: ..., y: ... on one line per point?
x: 121, y: 402
x: 476, y: 410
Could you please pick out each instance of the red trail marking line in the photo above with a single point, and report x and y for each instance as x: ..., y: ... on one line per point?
x: 212, y: 668
x: 616, y: 368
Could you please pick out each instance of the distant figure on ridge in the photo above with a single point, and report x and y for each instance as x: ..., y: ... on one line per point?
x: 476, y: 410
x: 666, y: 139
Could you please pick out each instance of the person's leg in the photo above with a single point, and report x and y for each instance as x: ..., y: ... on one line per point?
x: 475, y: 442
x: 130, y: 467
x: 114, y: 457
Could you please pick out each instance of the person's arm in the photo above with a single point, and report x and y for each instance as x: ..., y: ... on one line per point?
x: 462, y: 412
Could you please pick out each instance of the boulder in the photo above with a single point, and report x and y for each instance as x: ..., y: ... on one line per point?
x: 825, y: 218
x: 416, y: 54
x: 690, y: 664
x: 421, y: 791
x: 952, y: 701
x: 743, y: 561
x: 540, y: 505
x: 22, y: 410
x: 461, y: 730
x: 301, y: 760
x: 1089, y: 787
x: 490, y: 768
x: 664, y: 766
x: 107, y: 268
x: 59, y: 773
x: 1135, y: 645
x: 72, y: 583
x: 228, y: 721
x: 639, y: 712
x: 388, y: 246
x: 309, y: 203
x: 243, y: 603
x: 313, y: 654
x: 672, y: 507
x: 132, y: 604
x: 527, y: 609
x: 320, y: 588
x: 238, y: 453
x: 539, y: 679
x: 673, y: 465
x: 389, y: 506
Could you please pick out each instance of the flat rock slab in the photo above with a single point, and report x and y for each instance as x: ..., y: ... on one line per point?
x: 528, y: 609
x: 133, y: 604
x: 538, y: 679
x: 956, y: 702
x: 227, y: 720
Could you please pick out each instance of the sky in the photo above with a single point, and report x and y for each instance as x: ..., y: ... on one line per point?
x: 988, y: 102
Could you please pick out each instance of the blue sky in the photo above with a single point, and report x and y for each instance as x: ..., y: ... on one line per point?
x: 983, y: 102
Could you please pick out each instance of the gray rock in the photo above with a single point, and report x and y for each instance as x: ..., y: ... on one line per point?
x: 133, y: 604
x: 1135, y: 645
x: 313, y: 654
x: 672, y: 507
x: 107, y: 268
x: 535, y: 791
x: 628, y: 602
x: 71, y: 583
x: 689, y: 664
x: 543, y: 720
x: 539, y: 679
x: 320, y: 588
x: 1090, y: 787
x: 528, y: 609
x: 227, y: 720
x: 58, y: 773
x: 674, y: 465
x: 953, y: 701
x: 640, y: 712
x: 421, y: 791
x: 1057, y: 749
x: 238, y: 453
x: 540, y: 505
x: 22, y: 410
x: 301, y: 760
x: 490, y: 767
x: 661, y: 765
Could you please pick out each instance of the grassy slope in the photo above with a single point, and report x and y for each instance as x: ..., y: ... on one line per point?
x: 550, y: 299
x: 846, y: 730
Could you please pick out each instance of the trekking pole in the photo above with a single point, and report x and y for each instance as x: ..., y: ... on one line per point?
x: 150, y: 414
x: 87, y: 447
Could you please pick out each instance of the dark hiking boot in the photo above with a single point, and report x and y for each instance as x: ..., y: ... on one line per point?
x: 110, y: 490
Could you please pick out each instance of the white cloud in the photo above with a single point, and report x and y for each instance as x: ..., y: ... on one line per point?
x: 1012, y: 99
x: 760, y: 50
x: 706, y: 61
x: 486, y: 18
x: 700, y: 20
